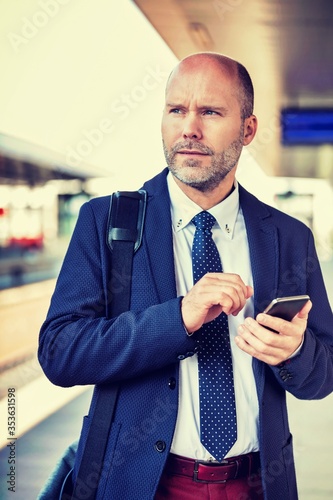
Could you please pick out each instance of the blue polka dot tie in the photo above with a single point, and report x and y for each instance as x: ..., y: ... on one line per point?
x: 218, y: 428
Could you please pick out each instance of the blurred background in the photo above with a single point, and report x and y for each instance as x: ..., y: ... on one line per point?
x: 81, y: 97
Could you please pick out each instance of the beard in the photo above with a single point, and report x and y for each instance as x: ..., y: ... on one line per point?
x: 191, y: 172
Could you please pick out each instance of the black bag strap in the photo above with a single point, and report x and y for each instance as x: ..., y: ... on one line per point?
x: 124, y: 235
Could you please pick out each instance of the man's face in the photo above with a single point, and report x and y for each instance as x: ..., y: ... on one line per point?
x: 202, y: 129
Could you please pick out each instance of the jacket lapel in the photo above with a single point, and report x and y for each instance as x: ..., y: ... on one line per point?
x: 264, y: 255
x: 264, y: 249
x: 158, y: 238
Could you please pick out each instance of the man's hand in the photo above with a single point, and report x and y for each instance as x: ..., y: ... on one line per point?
x: 268, y: 346
x: 212, y: 294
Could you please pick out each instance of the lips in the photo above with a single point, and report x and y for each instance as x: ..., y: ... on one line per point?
x: 191, y: 152
x: 191, y: 148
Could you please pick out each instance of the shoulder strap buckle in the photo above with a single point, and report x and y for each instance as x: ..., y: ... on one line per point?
x: 126, y: 217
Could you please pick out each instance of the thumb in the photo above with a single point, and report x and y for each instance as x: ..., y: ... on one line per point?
x: 304, y: 312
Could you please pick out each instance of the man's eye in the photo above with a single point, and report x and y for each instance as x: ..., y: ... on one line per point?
x: 175, y: 110
x: 210, y: 112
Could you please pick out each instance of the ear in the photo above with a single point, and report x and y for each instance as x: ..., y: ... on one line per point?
x: 250, y: 129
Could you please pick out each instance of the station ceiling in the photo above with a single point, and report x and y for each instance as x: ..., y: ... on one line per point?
x: 22, y: 162
x: 17, y: 171
x: 287, y: 47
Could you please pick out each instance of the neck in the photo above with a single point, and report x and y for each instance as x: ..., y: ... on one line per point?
x: 208, y: 199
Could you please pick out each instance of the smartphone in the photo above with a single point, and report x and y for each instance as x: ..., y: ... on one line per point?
x: 286, y: 307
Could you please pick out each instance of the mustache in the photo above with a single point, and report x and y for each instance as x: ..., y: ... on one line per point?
x: 192, y: 145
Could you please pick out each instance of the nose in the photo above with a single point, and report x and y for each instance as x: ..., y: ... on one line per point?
x: 192, y: 127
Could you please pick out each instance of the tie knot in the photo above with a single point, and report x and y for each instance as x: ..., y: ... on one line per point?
x: 203, y: 221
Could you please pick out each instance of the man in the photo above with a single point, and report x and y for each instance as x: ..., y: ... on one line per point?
x: 155, y: 349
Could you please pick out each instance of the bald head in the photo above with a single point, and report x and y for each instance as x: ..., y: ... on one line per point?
x: 243, y: 83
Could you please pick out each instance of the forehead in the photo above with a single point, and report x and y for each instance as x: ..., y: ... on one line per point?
x: 202, y: 79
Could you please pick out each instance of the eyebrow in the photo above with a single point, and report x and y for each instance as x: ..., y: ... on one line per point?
x: 222, y: 109
x: 171, y: 105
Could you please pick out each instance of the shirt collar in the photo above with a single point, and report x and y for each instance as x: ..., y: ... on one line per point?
x: 183, y: 209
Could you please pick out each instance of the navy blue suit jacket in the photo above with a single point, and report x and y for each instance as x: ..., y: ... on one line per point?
x: 143, y: 347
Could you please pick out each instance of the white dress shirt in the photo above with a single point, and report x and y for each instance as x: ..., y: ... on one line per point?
x: 231, y: 240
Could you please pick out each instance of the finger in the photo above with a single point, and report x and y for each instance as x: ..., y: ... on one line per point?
x: 274, y: 323
x: 273, y: 358
x: 264, y: 353
x: 229, y: 295
x: 263, y: 345
x: 259, y: 337
x: 228, y: 279
x: 278, y: 325
x: 227, y: 301
x: 284, y: 327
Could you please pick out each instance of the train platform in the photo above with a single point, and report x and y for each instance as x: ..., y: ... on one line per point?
x: 48, y: 418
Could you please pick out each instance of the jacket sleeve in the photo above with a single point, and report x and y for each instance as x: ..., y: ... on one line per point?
x: 79, y: 346
x: 309, y: 375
